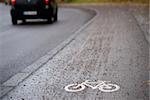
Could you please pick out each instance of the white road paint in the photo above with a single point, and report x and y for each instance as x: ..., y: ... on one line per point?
x: 104, y: 86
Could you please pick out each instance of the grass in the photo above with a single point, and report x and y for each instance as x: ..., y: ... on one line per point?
x: 108, y: 1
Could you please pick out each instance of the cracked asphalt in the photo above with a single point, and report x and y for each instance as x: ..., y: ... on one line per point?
x: 112, y: 48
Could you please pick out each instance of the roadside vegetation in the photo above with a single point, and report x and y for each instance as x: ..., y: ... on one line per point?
x: 106, y: 1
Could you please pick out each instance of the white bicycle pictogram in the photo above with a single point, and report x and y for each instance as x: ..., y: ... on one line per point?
x: 104, y: 86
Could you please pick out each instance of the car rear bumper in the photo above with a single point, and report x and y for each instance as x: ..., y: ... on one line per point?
x: 41, y: 13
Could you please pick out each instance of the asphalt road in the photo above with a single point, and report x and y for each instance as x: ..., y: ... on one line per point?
x: 23, y: 44
x: 113, y: 47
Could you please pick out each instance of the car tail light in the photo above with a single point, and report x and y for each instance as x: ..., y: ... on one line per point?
x: 13, y: 2
x: 46, y: 2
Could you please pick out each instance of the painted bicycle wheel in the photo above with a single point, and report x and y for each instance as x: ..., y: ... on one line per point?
x: 74, y: 87
x: 107, y: 87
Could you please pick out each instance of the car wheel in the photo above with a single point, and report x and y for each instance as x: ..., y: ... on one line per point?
x: 49, y: 20
x: 14, y: 21
x: 56, y: 15
x: 23, y: 21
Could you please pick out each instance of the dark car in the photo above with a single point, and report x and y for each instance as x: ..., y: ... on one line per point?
x: 33, y: 9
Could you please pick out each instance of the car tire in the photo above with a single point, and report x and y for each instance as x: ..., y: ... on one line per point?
x: 49, y: 20
x: 14, y: 21
x: 56, y: 15
x: 23, y: 21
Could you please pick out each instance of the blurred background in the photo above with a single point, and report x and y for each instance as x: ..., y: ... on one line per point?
x: 96, y: 1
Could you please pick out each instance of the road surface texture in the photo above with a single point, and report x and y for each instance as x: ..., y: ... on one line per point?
x: 113, y: 48
x: 23, y: 44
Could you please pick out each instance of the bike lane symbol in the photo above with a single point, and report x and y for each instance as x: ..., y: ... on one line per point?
x: 104, y: 86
